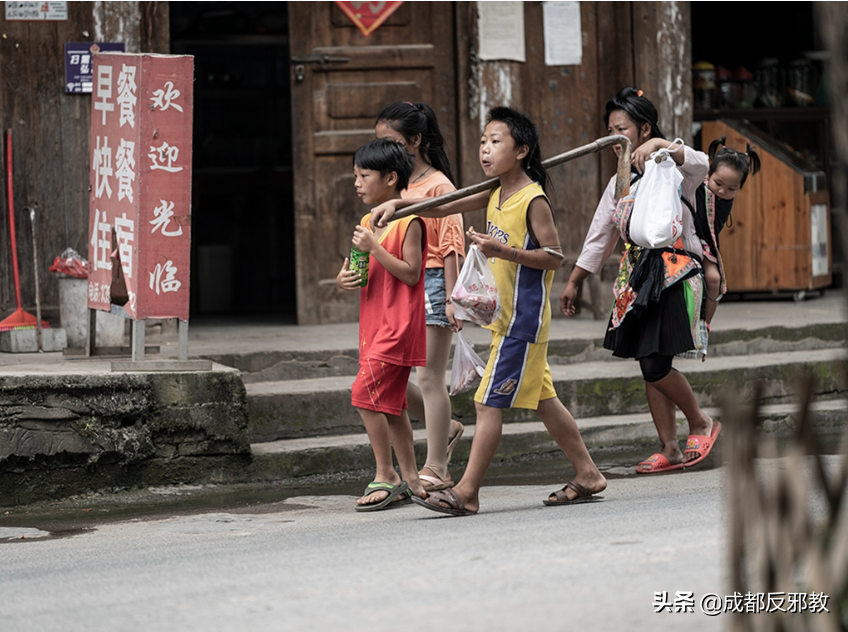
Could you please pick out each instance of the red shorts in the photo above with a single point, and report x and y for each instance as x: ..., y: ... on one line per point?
x: 380, y: 386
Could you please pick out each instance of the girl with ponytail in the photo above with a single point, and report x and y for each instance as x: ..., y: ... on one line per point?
x: 414, y: 126
x: 522, y: 243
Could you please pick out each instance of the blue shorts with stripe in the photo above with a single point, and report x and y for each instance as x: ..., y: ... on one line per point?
x: 517, y: 374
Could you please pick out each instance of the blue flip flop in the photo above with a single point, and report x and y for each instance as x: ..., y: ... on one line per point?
x: 389, y: 501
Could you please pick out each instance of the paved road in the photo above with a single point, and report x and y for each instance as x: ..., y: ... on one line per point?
x: 312, y: 563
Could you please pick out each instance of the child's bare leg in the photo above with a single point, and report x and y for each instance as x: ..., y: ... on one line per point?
x: 487, y: 437
x: 563, y: 429
x: 437, y: 405
x: 712, y: 277
x: 415, y: 400
x: 400, y: 431
x: 377, y: 427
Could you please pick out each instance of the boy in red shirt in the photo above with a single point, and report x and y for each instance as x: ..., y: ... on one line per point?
x: 392, y: 326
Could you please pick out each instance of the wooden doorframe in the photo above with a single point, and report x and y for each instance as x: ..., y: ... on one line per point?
x: 315, y: 289
x: 302, y: 145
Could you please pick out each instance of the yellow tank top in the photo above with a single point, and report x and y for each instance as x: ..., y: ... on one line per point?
x: 524, y: 292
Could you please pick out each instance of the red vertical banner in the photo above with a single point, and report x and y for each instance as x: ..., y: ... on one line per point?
x: 140, y: 198
x: 165, y: 213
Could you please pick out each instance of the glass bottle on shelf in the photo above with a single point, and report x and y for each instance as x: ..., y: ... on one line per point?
x: 725, y: 88
x: 818, y: 59
x: 704, y: 85
x: 747, y: 87
x: 770, y: 80
x: 800, y: 83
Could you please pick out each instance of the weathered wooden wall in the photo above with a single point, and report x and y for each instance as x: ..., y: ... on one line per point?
x: 50, y: 132
x: 662, y: 62
x: 641, y: 44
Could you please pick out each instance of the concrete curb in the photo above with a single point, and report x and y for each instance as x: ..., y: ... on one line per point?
x: 279, y: 365
x: 636, y: 433
x: 300, y: 408
x: 60, y: 434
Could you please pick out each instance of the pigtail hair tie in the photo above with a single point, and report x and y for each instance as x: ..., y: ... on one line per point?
x: 638, y: 93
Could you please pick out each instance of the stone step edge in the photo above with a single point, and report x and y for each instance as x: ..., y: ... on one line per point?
x: 834, y: 331
x: 595, y: 430
x: 619, y: 368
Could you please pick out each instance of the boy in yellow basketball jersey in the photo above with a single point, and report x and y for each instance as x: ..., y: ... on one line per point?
x: 522, y: 242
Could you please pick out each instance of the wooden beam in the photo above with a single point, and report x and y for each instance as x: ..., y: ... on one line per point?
x: 155, y: 27
x: 662, y: 52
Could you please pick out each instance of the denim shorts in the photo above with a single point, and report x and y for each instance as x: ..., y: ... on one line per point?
x: 434, y: 297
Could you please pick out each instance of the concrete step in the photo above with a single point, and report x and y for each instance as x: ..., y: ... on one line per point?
x: 723, y: 343
x: 272, y: 366
x: 616, y: 438
x: 320, y: 407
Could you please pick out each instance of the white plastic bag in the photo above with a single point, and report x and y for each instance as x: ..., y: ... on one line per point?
x: 475, y: 295
x: 468, y: 367
x: 657, y: 217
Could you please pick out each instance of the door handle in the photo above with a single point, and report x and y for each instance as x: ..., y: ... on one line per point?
x: 301, y: 60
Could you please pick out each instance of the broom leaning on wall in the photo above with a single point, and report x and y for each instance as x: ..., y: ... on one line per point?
x: 21, y: 331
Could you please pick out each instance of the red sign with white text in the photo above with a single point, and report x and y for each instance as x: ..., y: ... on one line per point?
x: 140, y: 197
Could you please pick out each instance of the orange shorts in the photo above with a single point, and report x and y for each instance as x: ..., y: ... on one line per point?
x: 380, y: 386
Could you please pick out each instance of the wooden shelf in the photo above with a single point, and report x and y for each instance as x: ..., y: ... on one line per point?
x: 242, y: 93
x: 232, y: 40
x: 801, y: 128
x: 765, y: 114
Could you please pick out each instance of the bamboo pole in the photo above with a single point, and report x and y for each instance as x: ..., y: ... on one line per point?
x: 622, y: 176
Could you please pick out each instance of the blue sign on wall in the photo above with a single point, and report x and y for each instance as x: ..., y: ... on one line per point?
x: 79, y: 62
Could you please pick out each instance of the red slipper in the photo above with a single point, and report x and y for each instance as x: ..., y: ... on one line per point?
x: 701, y: 445
x: 657, y: 463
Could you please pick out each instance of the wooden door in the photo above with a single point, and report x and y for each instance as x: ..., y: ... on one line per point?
x: 340, y: 80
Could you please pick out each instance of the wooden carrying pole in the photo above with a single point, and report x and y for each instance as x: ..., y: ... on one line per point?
x: 622, y: 176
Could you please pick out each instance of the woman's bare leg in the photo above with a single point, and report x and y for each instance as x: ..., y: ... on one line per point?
x: 663, y: 395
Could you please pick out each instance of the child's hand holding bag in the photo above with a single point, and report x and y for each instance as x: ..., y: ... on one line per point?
x: 475, y: 295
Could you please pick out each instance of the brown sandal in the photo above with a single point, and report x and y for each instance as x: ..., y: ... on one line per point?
x: 449, y: 497
x: 583, y: 495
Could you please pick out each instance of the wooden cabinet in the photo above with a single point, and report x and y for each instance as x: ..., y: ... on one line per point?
x: 779, y: 236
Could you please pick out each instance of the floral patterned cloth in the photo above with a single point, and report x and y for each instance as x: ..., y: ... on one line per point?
x: 678, y: 267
